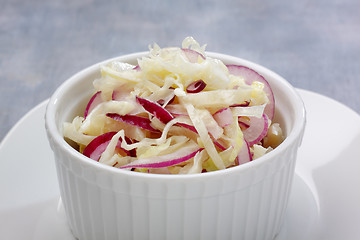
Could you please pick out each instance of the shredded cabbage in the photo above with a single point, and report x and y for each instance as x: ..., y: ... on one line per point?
x: 191, y: 140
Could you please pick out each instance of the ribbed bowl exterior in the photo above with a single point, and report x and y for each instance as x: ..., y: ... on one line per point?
x: 245, y: 202
x: 247, y: 205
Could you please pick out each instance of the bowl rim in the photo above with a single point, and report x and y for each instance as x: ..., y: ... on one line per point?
x: 295, y: 135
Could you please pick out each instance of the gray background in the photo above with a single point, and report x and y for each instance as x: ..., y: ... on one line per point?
x: 315, y: 45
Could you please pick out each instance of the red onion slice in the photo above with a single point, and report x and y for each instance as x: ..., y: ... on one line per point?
x: 244, y: 155
x: 196, y: 86
x: 97, y: 146
x: 192, y: 55
x: 250, y: 76
x: 155, y: 109
x: 167, y: 100
x: 119, y: 95
x: 93, y: 102
x: 257, y: 129
x: 245, y: 104
x: 224, y: 117
x: 168, y: 160
x: 218, y: 144
x: 176, y: 109
x: 138, y: 121
x: 243, y: 122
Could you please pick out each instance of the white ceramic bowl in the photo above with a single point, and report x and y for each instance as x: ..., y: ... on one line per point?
x: 243, y: 202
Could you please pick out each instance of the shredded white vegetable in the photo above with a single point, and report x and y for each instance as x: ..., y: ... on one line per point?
x: 106, y: 156
x: 204, y: 136
x: 253, y: 111
x: 185, y: 125
x: 72, y: 131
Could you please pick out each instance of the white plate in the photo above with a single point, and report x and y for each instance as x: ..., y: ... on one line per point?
x: 325, y: 197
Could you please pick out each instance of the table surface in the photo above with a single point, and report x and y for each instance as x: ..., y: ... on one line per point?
x: 315, y: 45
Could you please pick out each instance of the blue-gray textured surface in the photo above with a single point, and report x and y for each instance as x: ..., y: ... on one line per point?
x: 315, y: 45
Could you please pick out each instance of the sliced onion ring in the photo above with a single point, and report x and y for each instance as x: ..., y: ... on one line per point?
x: 250, y: 76
x: 224, y: 117
x: 196, y: 86
x: 155, y: 109
x: 257, y: 129
x: 97, y: 146
x: 138, y: 121
x: 168, y: 160
x: 243, y: 122
x: 192, y: 55
x: 244, y: 155
x: 93, y: 102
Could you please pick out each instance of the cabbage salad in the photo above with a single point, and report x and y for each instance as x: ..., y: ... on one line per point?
x: 178, y: 111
